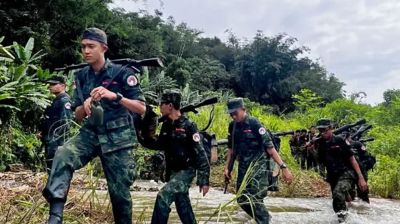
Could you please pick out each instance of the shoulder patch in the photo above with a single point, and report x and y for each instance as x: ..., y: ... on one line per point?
x: 68, y: 106
x: 196, y: 137
x: 131, y: 80
x: 262, y: 131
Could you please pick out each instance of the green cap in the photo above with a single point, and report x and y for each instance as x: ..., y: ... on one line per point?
x: 171, y: 96
x: 56, y: 79
x: 324, y: 123
x: 235, y: 104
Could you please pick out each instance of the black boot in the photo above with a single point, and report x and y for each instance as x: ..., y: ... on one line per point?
x: 56, y: 212
x: 54, y: 219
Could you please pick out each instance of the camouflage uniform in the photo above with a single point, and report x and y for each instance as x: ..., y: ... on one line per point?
x: 184, y: 155
x: 56, y: 117
x: 113, y: 141
x: 335, y: 155
x: 249, y: 141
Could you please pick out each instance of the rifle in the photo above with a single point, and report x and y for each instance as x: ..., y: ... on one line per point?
x: 360, y: 131
x: 230, y: 168
x: 348, y: 126
x: 367, y: 140
x: 135, y: 64
x: 193, y: 106
x: 282, y: 133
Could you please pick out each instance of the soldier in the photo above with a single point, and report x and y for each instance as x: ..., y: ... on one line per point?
x: 311, y: 151
x: 294, y: 145
x: 56, y: 118
x: 106, y: 94
x: 249, y: 142
x: 184, y: 154
x: 341, y: 166
x: 303, y: 148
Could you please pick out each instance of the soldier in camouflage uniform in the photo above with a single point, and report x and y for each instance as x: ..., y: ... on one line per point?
x: 249, y: 142
x: 184, y: 155
x: 342, y: 168
x: 56, y: 118
x: 109, y: 134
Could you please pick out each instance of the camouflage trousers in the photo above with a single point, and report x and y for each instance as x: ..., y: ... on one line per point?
x: 118, y: 166
x: 253, y: 190
x: 340, y: 187
x: 176, y: 190
x: 50, y: 149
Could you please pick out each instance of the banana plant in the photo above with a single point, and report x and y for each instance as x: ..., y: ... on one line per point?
x: 20, y: 88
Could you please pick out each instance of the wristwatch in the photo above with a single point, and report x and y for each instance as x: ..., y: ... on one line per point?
x: 119, y: 98
x: 283, y: 166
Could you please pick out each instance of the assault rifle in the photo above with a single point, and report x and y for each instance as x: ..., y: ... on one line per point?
x: 347, y: 127
x: 367, y: 140
x: 282, y: 133
x: 193, y: 106
x: 230, y: 168
x: 360, y: 131
x: 134, y: 64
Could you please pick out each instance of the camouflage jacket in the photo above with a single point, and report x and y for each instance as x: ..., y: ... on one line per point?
x: 117, y: 130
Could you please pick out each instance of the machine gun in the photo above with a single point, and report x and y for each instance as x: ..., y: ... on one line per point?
x: 347, y: 127
x: 134, y: 64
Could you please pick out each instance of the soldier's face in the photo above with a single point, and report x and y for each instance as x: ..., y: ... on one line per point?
x: 238, y: 115
x: 56, y: 88
x: 92, y: 50
x: 326, y: 133
x: 165, y: 108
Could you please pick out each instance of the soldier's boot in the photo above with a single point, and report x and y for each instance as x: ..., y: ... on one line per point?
x: 342, y: 216
x: 56, y: 212
x: 54, y: 219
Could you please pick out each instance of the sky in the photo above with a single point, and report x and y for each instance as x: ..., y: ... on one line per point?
x: 357, y: 40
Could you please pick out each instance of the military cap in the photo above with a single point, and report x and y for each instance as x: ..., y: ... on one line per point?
x: 95, y: 34
x: 323, y: 123
x: 235, y: 104
x: 171, y: 96
x: 56, y: 79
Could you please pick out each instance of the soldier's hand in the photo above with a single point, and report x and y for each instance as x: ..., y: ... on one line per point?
x: 205, y: 189
x: 287, y: 176
x: 227, y: 174
x: 87, y: 105
x: 100, y: 92
x: 362, y: 184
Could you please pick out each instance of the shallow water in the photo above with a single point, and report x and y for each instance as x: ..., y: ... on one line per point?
x: 283, y: 210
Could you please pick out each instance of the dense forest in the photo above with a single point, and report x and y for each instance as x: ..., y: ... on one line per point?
x: 284, y: 87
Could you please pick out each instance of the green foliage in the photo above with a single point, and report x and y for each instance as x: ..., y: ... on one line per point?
x: 306, y: 99
x: 23, y: 99
x: 390, y: 95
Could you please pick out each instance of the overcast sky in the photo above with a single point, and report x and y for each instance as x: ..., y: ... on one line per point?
x: 357, y: 40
